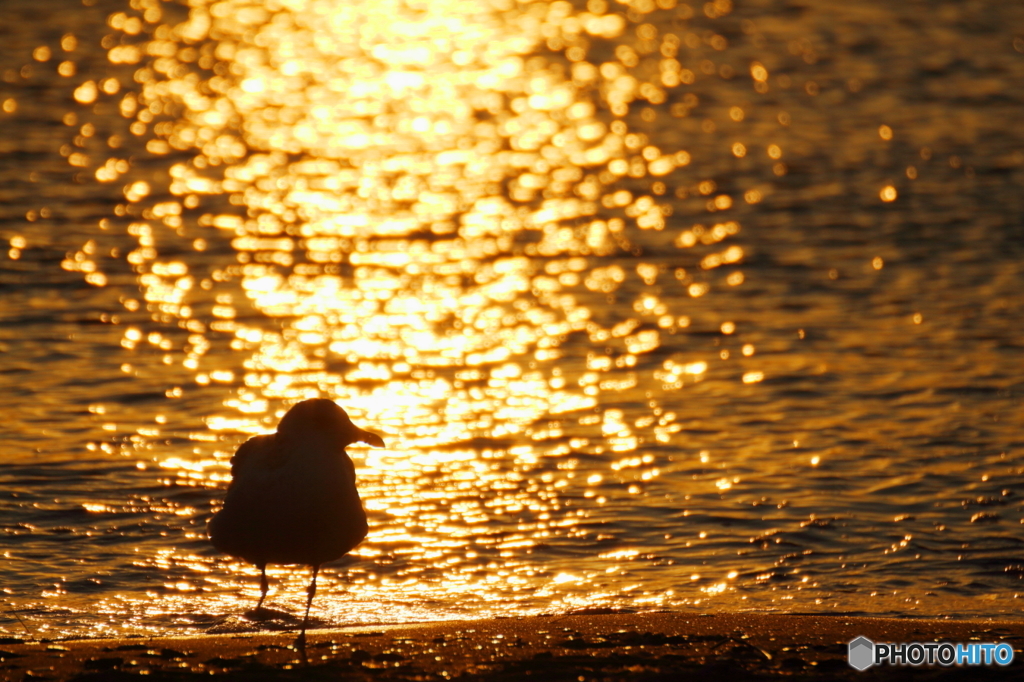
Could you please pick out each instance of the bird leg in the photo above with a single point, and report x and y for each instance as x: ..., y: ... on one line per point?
x: 300, y: 641
x: 311, y: 591
x: 263, y: 586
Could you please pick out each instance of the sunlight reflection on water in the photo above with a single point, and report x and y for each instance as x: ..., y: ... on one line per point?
x: 513, y: 238
x: 426, y: 209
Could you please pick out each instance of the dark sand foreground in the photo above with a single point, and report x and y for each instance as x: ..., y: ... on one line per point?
x: 647, y: 646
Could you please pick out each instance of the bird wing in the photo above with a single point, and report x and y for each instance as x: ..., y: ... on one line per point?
x: 256, y: 453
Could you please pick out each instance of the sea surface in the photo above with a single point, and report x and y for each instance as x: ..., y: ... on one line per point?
x: 702, y: 307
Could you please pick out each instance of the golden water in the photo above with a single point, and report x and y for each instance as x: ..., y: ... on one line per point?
x: 657, y: 305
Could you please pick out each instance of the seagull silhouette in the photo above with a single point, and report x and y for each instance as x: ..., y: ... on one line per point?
x: 293, y: 497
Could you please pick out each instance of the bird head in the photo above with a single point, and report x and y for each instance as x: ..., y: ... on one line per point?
x: 323, y: 416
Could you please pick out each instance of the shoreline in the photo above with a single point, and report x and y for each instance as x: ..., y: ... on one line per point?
x: 616, y: 646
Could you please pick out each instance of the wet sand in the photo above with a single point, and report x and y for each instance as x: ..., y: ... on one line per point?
x: 590, y: 646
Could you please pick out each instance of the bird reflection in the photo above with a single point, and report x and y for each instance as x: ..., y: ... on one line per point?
x: 293, y: 497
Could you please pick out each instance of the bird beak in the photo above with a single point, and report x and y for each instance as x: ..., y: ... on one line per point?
x: 371, y: 439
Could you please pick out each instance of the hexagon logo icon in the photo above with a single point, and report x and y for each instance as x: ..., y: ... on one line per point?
x: 861, y: 653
